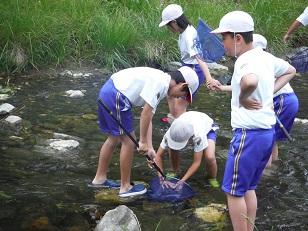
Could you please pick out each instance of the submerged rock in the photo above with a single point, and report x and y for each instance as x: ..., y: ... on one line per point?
x: 41, y: 223
x: 212, y: 212
x: 68, y: 73
x: 75, y: 93
x: 118, y: 219
x: 64, y: 145
x: 89, y: 116
x: 13, y: 120
x: 110, y: 195
x: 6, y: 108
x: 63, y: 136
x: 4, y: 96
x: 302, y: 121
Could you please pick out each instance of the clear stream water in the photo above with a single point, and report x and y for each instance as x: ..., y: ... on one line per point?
x: 41, y: 190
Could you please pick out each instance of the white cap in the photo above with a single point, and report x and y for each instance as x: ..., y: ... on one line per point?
x: 235, y: 21
x: 259, y: 41
x: 178, y: 134
x: 171, y: 12
x: 191, y: 78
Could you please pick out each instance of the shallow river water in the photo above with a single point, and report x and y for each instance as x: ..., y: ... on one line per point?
x: 44, y: 190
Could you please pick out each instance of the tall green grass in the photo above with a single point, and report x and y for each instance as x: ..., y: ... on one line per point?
x: 120, y: 33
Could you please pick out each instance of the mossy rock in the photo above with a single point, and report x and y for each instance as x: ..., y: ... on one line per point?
x: 112, y: 195
x: 212, y: 212
x: 89, y: 116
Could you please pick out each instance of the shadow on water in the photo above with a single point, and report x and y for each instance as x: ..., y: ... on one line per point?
x: 43, y: 190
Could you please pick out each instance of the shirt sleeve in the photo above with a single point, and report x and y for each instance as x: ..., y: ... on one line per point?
x: 280, y: 66
x: 164, y: 143
x: 303, y: 18
x: 243, y: 69
x: 201, y: 144
x: 190, y: 45
x: 152, y: 94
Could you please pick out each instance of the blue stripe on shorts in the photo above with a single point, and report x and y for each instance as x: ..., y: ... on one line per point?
x: 121, y: 109
x: 248, y: 155
x: 286, y: 108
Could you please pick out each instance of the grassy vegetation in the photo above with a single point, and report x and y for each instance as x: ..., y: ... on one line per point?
x: 117, y: 33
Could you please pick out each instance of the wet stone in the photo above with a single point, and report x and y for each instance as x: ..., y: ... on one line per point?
x: 118, y: 219
x: 6, y: 108
x: 212, y: 212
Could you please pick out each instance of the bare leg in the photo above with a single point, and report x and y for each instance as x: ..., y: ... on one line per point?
x: 251, y: 202
x: 174, y: 161
x: 126, y: 159
x: 274, y: 155
x: 275, y: 152
x: 238, y: 211
x: 104, y: 159
x: 210, y: 159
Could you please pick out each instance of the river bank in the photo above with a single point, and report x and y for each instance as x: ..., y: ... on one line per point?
x: 118, y: 34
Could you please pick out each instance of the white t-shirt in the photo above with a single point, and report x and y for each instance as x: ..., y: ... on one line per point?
x: 201, y: 123
x: 142, y: 85
x: 303, y: 18
x: 186, y: 43
x: 266, y: 67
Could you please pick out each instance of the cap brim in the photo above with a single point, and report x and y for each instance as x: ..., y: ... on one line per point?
x: 173, y: 144
x: 163, y: 23
x: 219, y: 30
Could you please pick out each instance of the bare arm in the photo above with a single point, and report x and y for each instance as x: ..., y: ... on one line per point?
x: 284, y: 79
x: 194, y: 167
x: 211, y: 83
x: 224, y: 88
x: 296, y: 24
x: 159, y: 158
x: 145, y: 125
x: 248, y: 84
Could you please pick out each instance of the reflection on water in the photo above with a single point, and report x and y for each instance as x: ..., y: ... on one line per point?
x: 42, y: 190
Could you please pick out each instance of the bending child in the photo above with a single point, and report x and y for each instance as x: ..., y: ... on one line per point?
x: 200, y: 129
x: 135, y: 87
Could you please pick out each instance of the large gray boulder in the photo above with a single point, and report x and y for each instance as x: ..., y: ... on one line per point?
x: 119, y: 219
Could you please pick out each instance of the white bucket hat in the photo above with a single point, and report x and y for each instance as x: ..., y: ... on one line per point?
x: 259, y: 41
x: 192, y: 80
x: 178, y: 134
x: 235, y: 21
x: 171, y: 12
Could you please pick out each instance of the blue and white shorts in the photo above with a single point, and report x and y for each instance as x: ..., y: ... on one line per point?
x: 248, y: 155
x: 212, y: 135
x: 120, y: 107
x: 286, y: 108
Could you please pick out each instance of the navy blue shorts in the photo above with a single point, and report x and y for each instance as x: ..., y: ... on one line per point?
x: 286, y: 108
x: 120, y: 107
x: 248, y: 155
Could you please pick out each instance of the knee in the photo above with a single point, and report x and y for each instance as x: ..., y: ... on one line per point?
x: 211, y: 160
x: 112, y: 142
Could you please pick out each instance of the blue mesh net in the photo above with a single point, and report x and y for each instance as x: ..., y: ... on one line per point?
x: 158, y: 192
x: 209, y: 45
